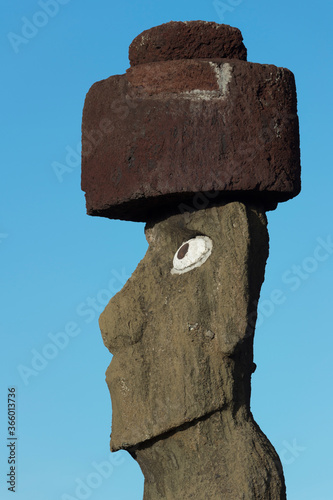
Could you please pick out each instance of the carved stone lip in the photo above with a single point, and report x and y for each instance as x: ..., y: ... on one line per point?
x: 164, y: 435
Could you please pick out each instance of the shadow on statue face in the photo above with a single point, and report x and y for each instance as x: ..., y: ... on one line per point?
x: 179, y: 327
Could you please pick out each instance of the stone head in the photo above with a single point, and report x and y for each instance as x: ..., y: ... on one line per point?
x: 181, y: 329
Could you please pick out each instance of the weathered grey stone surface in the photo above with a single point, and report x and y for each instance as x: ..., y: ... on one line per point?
x: 183, y: 357
x: 222, y: 457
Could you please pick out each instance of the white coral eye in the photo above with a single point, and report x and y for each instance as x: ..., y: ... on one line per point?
x: 193, y: 253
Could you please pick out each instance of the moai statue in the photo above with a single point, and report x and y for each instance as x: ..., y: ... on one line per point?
x: 199, y: 144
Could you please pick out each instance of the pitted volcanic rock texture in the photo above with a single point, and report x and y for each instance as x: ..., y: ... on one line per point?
x: 187, y: 40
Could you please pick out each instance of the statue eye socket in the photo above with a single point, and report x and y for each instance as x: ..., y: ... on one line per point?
x: 193, y: 253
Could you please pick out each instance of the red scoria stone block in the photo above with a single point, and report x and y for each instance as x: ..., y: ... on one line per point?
x: 187, y: 40
x: 156, y: 137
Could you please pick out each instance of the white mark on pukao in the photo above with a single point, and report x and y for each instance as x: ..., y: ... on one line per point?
x: 223, y: 74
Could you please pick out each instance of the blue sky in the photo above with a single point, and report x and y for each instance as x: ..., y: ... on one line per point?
x: 59, y: 266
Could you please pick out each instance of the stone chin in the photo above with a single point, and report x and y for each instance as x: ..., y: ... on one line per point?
x: 182, y: 343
